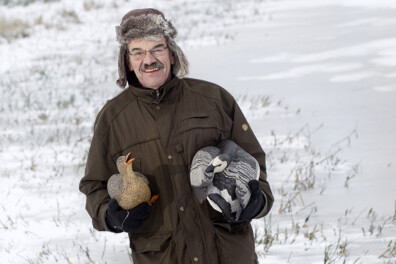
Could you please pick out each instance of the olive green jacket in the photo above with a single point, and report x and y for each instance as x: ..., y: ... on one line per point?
x: 164, y: 129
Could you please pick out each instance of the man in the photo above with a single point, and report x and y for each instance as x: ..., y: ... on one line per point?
x: 163, y: 119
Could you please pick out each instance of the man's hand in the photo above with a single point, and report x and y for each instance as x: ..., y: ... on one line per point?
x: 253, y: 208
x: 120, y: 220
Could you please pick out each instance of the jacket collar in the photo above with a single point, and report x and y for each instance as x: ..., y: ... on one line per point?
x: 155, y: 96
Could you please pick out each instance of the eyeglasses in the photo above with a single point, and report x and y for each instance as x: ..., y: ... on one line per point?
x: 140, y: 54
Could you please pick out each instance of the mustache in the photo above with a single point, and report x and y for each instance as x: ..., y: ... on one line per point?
x: 154, y: 65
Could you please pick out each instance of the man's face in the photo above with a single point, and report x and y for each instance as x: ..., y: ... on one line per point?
x: 152, y: 72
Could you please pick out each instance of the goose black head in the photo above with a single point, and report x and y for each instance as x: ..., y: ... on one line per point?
x: 219, y: 163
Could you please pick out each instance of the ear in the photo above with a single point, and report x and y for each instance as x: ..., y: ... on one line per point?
x: 129, y: 64
x: 172, y: 59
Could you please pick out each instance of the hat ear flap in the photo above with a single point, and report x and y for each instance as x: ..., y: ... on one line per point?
x: 122, y: 67
x: 180, y: 66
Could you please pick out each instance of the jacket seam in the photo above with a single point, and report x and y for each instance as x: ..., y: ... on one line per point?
x: 203, y: 82
x: 110, y: 123
x: 134, y: 144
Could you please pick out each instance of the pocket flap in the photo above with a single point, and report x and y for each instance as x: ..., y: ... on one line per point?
x: 198, y: 120
x: 149, y: 243
x: 194, y: 115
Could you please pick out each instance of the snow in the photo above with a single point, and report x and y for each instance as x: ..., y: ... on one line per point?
x: 316, y: 80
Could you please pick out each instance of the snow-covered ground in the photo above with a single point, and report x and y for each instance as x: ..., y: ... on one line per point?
x: 316, y: 80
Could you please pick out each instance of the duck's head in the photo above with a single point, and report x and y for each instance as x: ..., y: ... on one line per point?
x: 128, y: 159
x: 123, y: 162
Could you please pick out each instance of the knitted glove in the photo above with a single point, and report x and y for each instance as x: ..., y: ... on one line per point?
x: 120, y: 220
x: 253, y: 208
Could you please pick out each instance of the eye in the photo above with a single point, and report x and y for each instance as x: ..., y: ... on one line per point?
x: 138, y: 53
x: 157, y: 50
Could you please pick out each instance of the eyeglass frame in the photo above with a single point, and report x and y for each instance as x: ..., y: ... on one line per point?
x: 130, y: 53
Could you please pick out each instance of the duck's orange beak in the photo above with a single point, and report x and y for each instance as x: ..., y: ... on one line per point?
x: 129, y: 159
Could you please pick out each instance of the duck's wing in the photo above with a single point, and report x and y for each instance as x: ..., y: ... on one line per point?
x: 138, y: 174
x: 115, y: 186
x: 201, y: 180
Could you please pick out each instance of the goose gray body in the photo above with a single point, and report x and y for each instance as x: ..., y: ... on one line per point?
x: 200, y: 179
x: 224, y: 170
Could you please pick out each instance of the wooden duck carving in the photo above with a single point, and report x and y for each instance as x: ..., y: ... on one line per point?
x: 129, y: 188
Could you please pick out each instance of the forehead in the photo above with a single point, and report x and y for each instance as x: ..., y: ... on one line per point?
x: 145, y: 44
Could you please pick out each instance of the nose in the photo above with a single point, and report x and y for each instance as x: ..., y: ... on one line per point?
x: 149, y: 58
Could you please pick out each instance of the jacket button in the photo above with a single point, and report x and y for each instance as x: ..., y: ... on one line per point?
x: 170, y: 157
x: 181, y: 208
x: 196, y: 259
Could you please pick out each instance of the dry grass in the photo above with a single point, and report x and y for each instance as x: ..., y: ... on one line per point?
x: 23, y: 2
x: 14, y: 28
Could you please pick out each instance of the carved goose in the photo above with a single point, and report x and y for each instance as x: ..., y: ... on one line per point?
x: 224, y: 170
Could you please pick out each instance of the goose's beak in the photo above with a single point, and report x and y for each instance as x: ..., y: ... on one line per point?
x: 129, y: 159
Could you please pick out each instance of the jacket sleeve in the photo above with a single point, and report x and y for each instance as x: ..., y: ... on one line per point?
x: 242, y: 134
x: 98, y: 170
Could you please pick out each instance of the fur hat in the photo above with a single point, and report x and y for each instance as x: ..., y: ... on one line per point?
x: 140, y: 23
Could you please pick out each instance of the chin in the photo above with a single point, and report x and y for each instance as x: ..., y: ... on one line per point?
x: 153, y: 80
x: 153, y: 83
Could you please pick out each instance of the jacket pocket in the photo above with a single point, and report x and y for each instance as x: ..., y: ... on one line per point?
x: 235, y: 243
x: 198, y: 120
x: 152, y: 243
